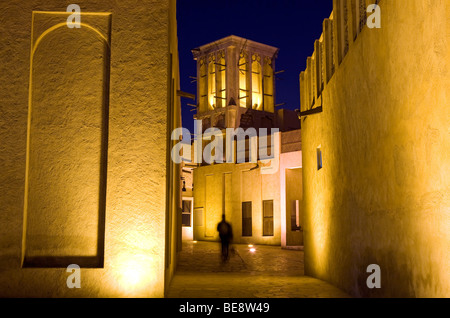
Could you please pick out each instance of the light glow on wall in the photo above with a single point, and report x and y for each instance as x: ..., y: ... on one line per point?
x: 136, y: 261
x: 132, y: 273
x: 135, y: 273
x: 320, y: 220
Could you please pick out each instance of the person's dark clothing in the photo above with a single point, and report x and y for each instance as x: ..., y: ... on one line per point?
x: 225, y: 234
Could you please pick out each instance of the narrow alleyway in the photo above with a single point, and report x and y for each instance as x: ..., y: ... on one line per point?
x: 267, y: 272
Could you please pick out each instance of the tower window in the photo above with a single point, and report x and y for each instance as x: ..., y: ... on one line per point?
x: 256, y: 82
x: 243, y: 80
x: 221, y: 80
x: 212, y: 82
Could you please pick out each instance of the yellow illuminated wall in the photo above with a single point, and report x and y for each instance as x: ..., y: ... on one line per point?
x: 173, y: 209
x: 222, y: 188
x: 86, y: 177
x: 77, y: 132
x: 382, y: 195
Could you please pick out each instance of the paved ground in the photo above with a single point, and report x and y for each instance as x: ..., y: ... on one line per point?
x: 268, y: 272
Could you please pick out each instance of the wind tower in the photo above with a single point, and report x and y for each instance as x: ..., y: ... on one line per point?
x: 235, y: 84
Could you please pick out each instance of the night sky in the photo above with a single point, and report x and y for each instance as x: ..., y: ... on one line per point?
x: 290, y: 25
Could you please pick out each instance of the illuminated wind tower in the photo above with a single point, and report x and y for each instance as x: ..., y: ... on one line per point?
x: 235, y: 84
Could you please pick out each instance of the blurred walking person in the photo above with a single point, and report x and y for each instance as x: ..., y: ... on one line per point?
x: 226, y: 235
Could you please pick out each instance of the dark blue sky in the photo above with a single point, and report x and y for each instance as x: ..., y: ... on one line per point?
x: 290, y: 25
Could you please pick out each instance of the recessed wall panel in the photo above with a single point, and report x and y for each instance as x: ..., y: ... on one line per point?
x: 213, y: 200
x: 67, y: 142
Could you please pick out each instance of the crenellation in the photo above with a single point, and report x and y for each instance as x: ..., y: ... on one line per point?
x: 340, y: 30
x: 313, y: 77
x: 345, y: 28
x: 322, y: 65
x: 309, y: 81
x: 327, y: 50
x: 318, y: 69
x: 337, y: 32
x: 302, y: 91
x: 362, y: 15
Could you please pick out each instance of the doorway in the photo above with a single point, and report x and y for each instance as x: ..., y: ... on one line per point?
x: 294, y: 213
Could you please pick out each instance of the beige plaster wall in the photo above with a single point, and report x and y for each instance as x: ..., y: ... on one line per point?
x: 223, y: 187
x: 173, y: 186
x: 67, y: 139
x: 382, y: 195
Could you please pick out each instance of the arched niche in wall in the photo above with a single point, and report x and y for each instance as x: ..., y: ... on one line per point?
x: 65, y: 185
